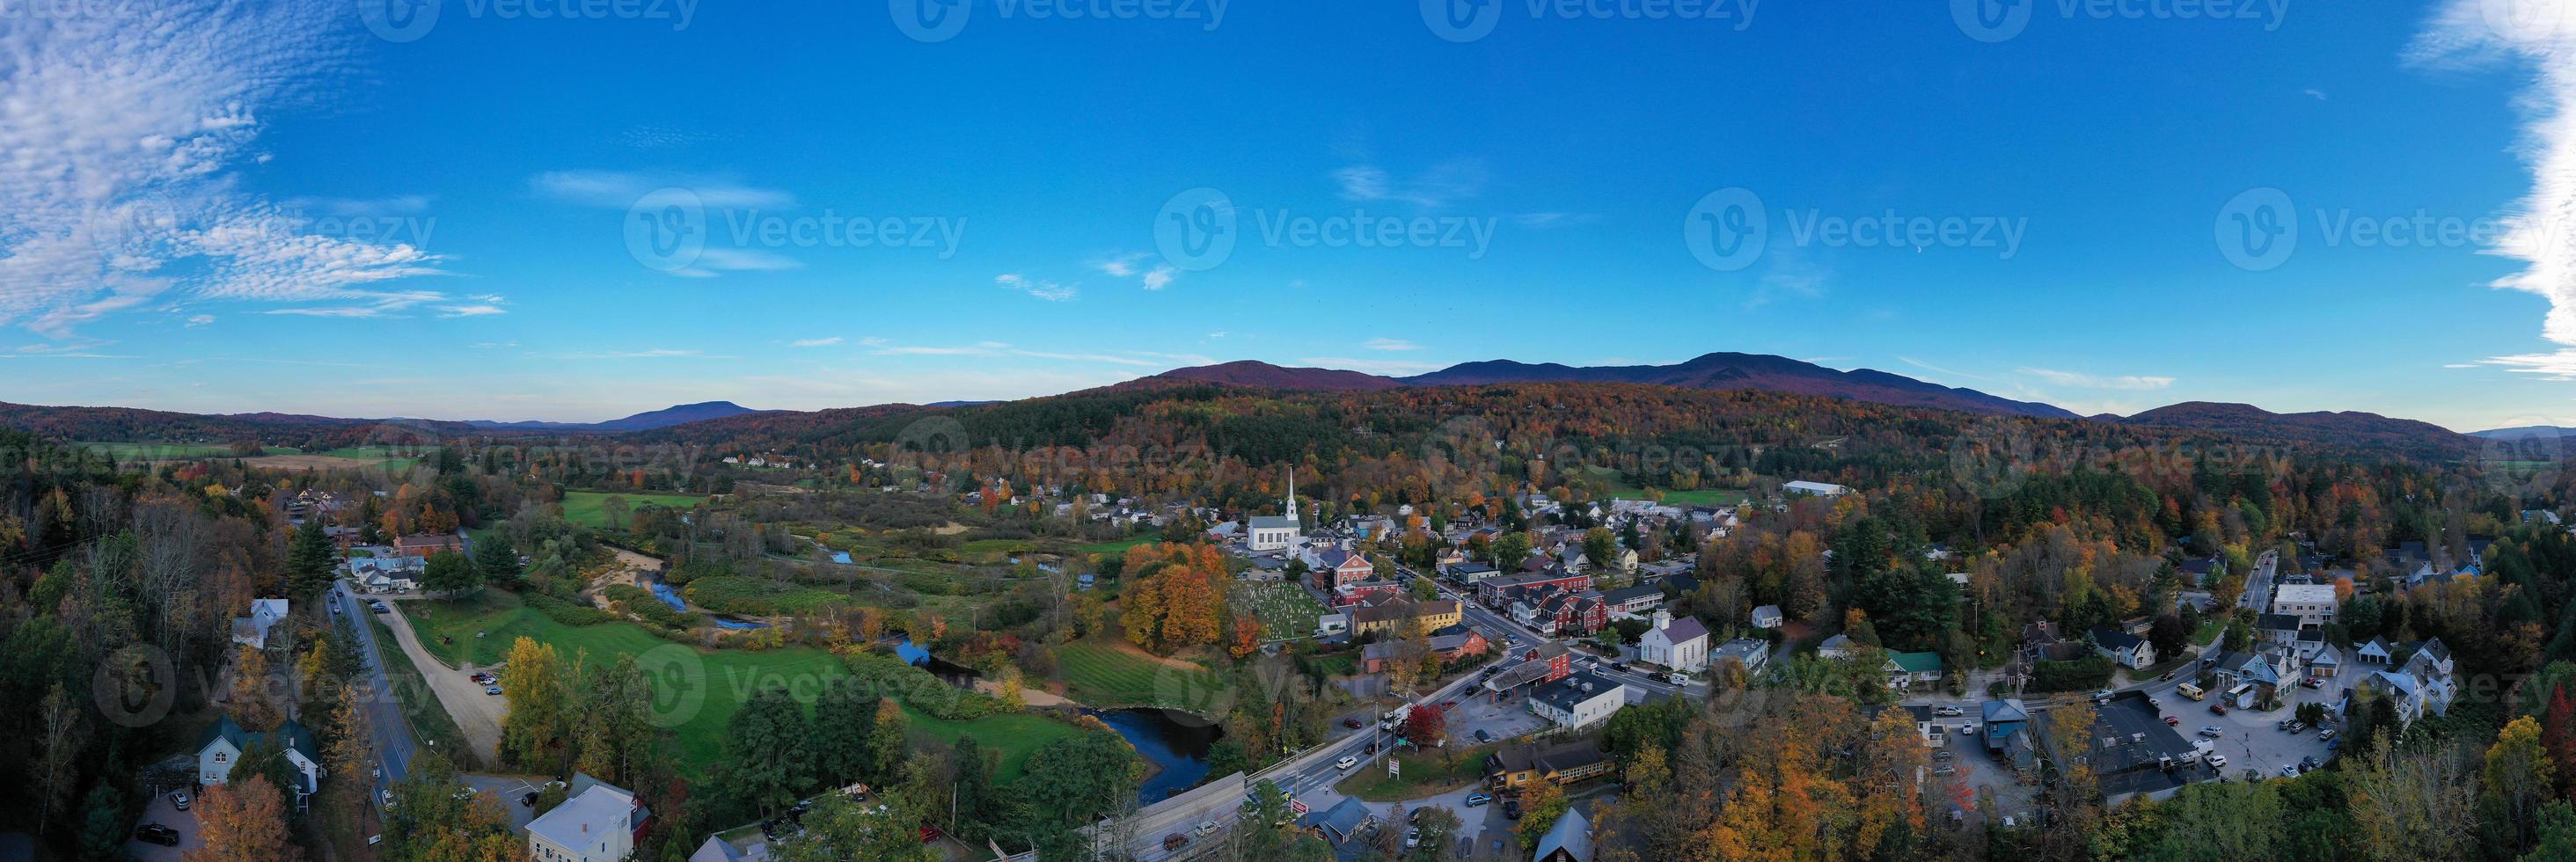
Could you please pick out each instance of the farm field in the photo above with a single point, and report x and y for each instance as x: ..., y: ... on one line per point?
x: 1120, y: 546
x: 582, y: 507
x: 1285, y: 610
x: 1103, y: 674
x: 345, y: 458
x: 168, y: 451
x: 726, y: 678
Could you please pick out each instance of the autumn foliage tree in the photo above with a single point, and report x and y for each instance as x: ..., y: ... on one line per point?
x: 242, y: 821
x: 1175, y: 596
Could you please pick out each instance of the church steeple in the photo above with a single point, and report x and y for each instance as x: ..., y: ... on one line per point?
x: 1292, y: 493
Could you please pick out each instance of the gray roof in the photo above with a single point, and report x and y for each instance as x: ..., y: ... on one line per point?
x: 1267, y: 522
x: 1344, y: 818
x: 1571, y: 834
x: 580, y: 820
x: 2113, y: 638
x: 1684, y: 630
x: 1624, y: 595
x: 2005, y: 710
x: 1565, y: 694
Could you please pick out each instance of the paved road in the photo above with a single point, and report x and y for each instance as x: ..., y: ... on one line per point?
x: 2258, y: 584
x: 394, y: 746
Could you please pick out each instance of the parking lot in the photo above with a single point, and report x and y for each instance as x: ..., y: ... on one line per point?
x: 166, y: 813
x: 2252, y: 739
x: 509, y: 789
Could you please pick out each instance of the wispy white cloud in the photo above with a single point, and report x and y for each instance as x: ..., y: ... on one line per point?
x: 1437, y: 188
x: 1390, y: 344
x: 122, y: 135
x: 2090, y: 381
x: 1132, y: 265
x: 619, y: 189
x: 816, y: 342
x: 1040, y: 288
x: 197, y: 320
x: 1161, y: 277
x: 2314, y: 93
x: 714, y: 261
x: 2542, y: 34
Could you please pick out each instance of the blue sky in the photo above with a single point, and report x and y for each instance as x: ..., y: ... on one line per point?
x: 497, y: 215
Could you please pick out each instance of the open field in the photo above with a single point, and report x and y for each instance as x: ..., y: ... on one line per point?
x: 124, y: 452
x: 1285, y: 610
x: 724, y: 679
x: 1120, y: 546
x: 1105, y: 673
x: 420, y: 705
x: 1620, y: 488
x: 582, y: 507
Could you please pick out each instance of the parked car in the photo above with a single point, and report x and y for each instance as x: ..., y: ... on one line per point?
x: 1482, y: 736
x: 1943, y: 754
x: 1948, y: 711
x: 491, y: 689
x: 2212, y: 731
x: 2167, y: 675
x: 930, y: 833
x: 2288, y: 771
x: 2173, y: 721
x: 528, y: 799
x: 157, y: 834
x: 2326, y: 734
x: 2313, y: 682
x: 1512, y: 809
x: 1346, y: 762
x: 2103, y: 695
x: 1476, y: 799
x: 386, y: 796
x: 1413, y: 837
x: 2295, y: 726
x: 179, y: 801
x: 2218, y: 761
x: 2218, y: 709
x: 1945, y: 769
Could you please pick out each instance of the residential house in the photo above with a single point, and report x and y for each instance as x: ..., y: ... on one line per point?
x: 597, y: 822
x: 2001, y: 719
x: 2127, y: 650
x: 252, y: 631
x: 1632, y: 602
x: 388, y: 574
x: 2246, y: 679
x: 1512, y: 768
x: 1392, y: 617
x: 1376, y: 657
x: 1677, y: 644
x: 2325, y: 661
x: 1340, y: 823
x: 1838, y: 647
x: 220, y: 747
x: 1767, y: 617
x: 425, y: 544
x: 2420, y: 687
x: 1578, y: 700
x: 1753, y: 654
x: 1366, y: 593
x: 1336, y: 568
x: 1906, y: 670
x: 2313, y: 604
x: 1568, y: 840
x: 2131, y: 751
x: 1931, y: 733
x: 2278, y: 629
x: 2374, y: 652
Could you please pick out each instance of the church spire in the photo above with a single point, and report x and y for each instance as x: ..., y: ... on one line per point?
x: 1292, y: 493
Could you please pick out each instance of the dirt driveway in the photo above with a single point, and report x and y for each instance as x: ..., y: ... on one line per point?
x: 476, y: 713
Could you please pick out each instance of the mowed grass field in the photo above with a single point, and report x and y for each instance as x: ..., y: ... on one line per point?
x: 1120, y: 546
x: 723, y: 679
x: 169, y: 451
x: 1101, y: 673
x: 582, y: 507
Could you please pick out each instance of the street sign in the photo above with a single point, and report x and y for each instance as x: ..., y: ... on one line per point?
x: 1394, y: 767
x: 1298, y: 806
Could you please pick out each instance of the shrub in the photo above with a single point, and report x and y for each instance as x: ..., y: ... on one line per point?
x: 649, y: 607
x: 888, y: 676
x: 565, y: 612
x: 2089, y: 672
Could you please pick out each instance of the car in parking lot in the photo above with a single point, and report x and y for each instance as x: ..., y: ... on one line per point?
x: 2289, y: 771
x: 2326, y: 735
x: 2218, y: 761
x: 528, y: 799
x: 2218, y: 709
x: 1944, y: 754
x: 2212, y: 731
x: 1945, y: 769
x: 1346, y: 762
x: 386, y: 796
x: 2173, y: 721
x: 179, y: 801
x: 2313, y: 682
x: 491, y: 689
x: 157, y: 834
x: 1476, y: 799
x: 2294, y: 726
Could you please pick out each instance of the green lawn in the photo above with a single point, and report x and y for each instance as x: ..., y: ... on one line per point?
x: 1120, y: 546
x: 1426, y: 773
x: 725, y: 677
x: 1285, y: 610
x: 420, y: 706
x: 1103, y: 675
x: 1620, y: 488
x: 130, y: 451
x: 582, y: 507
